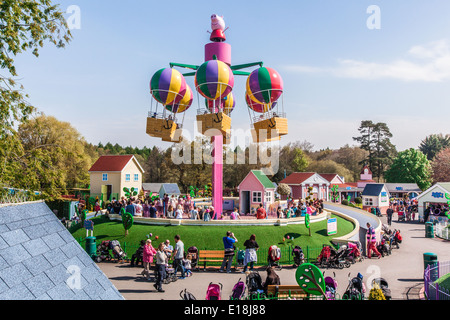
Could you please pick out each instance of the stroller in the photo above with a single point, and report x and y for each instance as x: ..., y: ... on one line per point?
x: 274, y: 257
x: 170, y: 275
x: 395, y: 239
x: 117, y: 251
x: 383, y: 284
x: 194, y: 257
x: 214, y: 291
x: 331, y: 287
x: 254, y: 284
x: 102, y: 253
x: 401, y: 216
x: 238, y: 290
x: 355, y: 289
x: 299, y: 256
x: 187, y: 295
x: 340, y: 259
x: 384, y: 247
x: 354, y: 252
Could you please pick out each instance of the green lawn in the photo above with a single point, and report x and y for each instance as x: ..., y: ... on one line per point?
x: 210, y: 237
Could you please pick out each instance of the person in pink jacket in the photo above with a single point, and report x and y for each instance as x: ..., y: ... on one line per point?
x: 147, y: 258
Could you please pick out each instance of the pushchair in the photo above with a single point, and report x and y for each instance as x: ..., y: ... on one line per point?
x: 323, y: 260
x: 193, y: 251
x: 384, y: 247
x: 214, y: 291
x: 274, y: 257
x: 401, y: 216
x: 340, y: 258
x: 170, y: 275
x: 299, y: 256
x: 330, y: 287
x: 238, y: 290
x: 355, y: 289
x: 254, y: 284
x: 186, y: 295
x: 384, y: 286
x: 354, y: 252
x: 103, y: 253
x: 117, y: 251
x: 395, y: 239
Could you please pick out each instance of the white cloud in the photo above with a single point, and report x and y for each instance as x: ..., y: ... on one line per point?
x: 428, y: 63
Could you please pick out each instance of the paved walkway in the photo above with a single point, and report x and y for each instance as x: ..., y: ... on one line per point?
x: 403, y: 270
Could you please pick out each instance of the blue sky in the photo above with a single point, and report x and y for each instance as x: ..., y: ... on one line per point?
x: 336, y: 71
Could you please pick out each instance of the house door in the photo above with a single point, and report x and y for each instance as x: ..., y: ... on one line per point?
x: 245, y: 201
x: 108, y: 192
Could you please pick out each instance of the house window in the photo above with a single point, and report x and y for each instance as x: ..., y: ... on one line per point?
x: 104, y: 177
x: 136, y: 177
x: 368, y: 201
x: 268, y: 197
x: 127, y: 177
x: 257, y: 196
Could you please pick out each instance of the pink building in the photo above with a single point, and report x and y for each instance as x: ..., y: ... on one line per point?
x: 256, y: 188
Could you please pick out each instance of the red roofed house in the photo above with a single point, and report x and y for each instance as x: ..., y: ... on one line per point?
x: 300, y: 181
x: 110, y: 174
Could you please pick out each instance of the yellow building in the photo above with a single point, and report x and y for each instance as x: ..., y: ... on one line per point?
x: 110, y: 174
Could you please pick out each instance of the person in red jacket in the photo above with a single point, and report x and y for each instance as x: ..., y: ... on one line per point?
x: 261, y: 212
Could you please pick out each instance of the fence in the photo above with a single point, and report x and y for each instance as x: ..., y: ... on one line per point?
x: 432, y: 289
x: 442, y: 230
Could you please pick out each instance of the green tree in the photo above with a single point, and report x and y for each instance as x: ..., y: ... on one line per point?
x: 410, y: 166
x: 24, y: 25
x: 375, y: 139
x: 433, y: 144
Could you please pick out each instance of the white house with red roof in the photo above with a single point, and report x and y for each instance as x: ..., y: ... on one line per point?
x: 110, y: 174
x: 299, y: 182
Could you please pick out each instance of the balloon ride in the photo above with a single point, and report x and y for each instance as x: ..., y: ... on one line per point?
x: 214, y: 81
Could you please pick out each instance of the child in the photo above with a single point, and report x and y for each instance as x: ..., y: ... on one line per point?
x: 187, y: 265
x: 235, y: 214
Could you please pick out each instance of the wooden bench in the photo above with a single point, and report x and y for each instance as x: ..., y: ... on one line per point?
x: 205, y: 256
x: 286, y: 292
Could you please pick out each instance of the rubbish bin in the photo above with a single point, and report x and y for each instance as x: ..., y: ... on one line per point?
x: 91, y: 246
x: 431, y: 259
x: 373, y: 211
x: 429, y: 230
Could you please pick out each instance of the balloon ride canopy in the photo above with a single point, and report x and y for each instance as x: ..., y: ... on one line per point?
x: 214, y: 81
x: 263, y: 90
x: 169, y: 88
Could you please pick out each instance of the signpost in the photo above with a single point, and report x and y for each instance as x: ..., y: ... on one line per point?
x: 89, y: 226
x: 332, y: 226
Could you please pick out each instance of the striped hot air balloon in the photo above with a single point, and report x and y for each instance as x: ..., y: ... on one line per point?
x: 168, y: 86
x: 184, y: 103
x: 214, y: 79
x: 226, y: 104
x: 258, y: 107
x: 264, y: 85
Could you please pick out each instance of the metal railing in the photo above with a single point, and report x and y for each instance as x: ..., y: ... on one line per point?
x: 442, y: 230
x: 432, y: 289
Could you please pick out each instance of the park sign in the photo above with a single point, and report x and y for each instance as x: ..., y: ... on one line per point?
x: 89, y: 226
x: 332, y: 226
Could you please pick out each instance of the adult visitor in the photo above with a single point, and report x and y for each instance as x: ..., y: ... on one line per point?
x: 261, y: 212
x: 271, y: 279
x: 250, y: 256
x: 389, y: 213
x: 130, y: 208
x: 193, y: 214
x: 147, y: 258
x: 228, y: 243
x: 371, y: 242
x: 178, y: 255
x: 161, y: 261
x: 152, y: 210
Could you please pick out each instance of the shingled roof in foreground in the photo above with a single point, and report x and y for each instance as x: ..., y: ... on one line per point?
x: 41, y: 260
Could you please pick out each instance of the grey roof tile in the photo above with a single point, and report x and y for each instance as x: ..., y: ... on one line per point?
x: 15, y: 237
x: 55, y: 256
x: 17, y: 224
x: 71, y: 249
x: 3, y: 286
x: 37, y: 265
x: 36, y: 247
x: 58, y: 274
x: 35, y: 231
x: 53, y: 240
x: 14, y: 255
x: 15, y: 275
x: 39, y: 284
x: 61, y: 292
x: 19, y: 292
